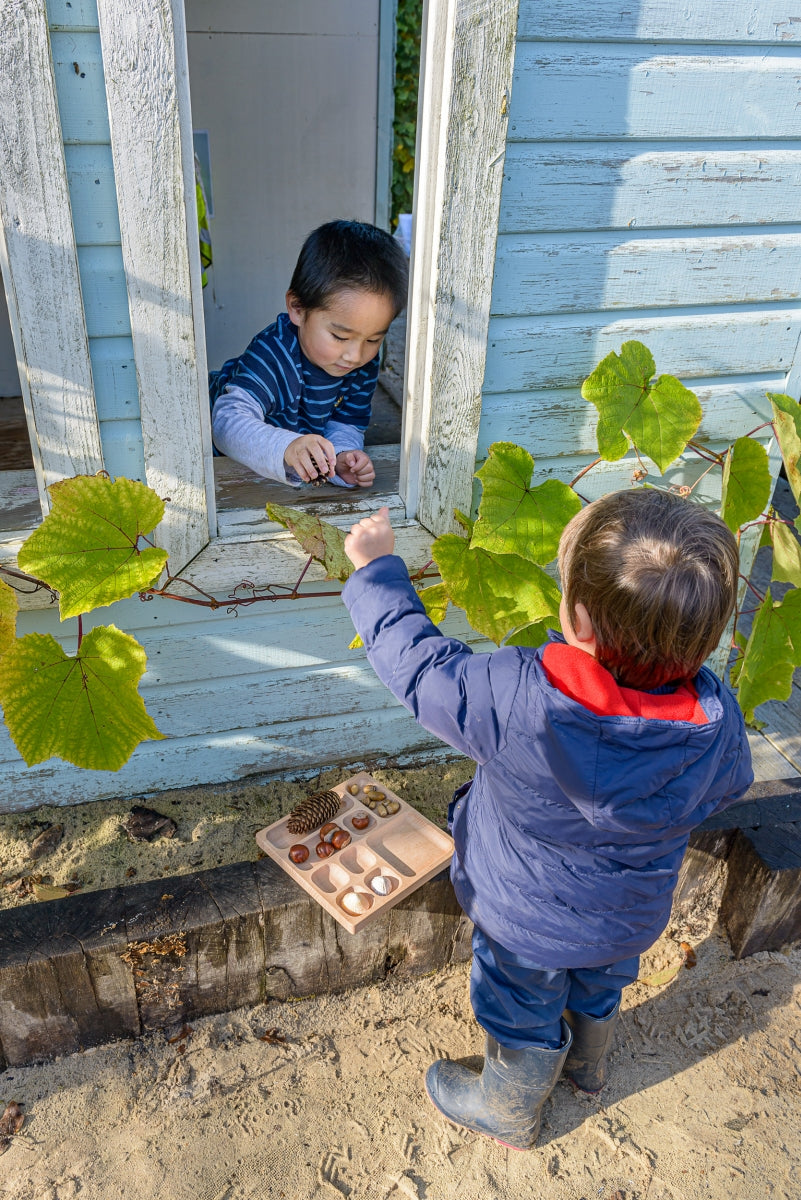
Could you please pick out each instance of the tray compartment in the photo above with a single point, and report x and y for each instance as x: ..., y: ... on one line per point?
x: 356, y: 859
x: 408, y: 843
x: 330, y: 877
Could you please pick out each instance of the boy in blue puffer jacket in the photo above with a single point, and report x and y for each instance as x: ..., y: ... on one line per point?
x: 597, y: 754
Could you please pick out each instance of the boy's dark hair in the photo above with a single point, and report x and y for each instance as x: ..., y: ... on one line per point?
x: 349, y: 254
x: 658, y: 576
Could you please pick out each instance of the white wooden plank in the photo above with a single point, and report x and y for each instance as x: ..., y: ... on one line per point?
x: 767, y: 761
x: 469, y: 51
x: 560, y: 417
x: 618, y: 186
x: 562, y: 351
x: 768, y: 21
x: 296, y: 746
x: 19, y: 500
x: 631, y: 91
x: 332, y: 18
x: 38, y: 258
x: 560, y: 273
x: 90, y: 172
x: 147, y: 88
x: 78, y: 71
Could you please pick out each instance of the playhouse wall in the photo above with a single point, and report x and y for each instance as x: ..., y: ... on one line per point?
x: 652, y: 167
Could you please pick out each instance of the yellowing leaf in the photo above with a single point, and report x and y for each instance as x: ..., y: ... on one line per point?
x: 660, y: 417
x: 772, y: 653
x: 513, y: 517
x: 87, y: 546
x: 435, y: 601
x: 747, y: 483
x: 786, y: 555
x: 8, y: 617
x: 787, y: 423
x: 498, y: 592
x: 324, y: 542
x: 85, y: 709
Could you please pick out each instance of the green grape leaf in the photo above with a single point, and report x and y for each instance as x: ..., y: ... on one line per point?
x: 87, y: 546
x: 533, y: 635
x: 435, y: 601
x: 786, y: 555
x: 747, y: 483
x: 357, y: 643
x: 513, y: 517
x: 324, y: 542
x: 659, y: 417
x: 464, y: 521
x: 85, y: 709
x: 787, y: 423
x: 498, y: 592
x: 8, y: 617
x: 772, y: 653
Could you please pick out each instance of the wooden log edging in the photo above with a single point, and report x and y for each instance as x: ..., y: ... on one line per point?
x: 90, y: 968
x: 99, y: 966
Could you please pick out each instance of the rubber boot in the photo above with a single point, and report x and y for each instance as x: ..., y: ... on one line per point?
x: 505, y: 1100
x: 585, y: 1065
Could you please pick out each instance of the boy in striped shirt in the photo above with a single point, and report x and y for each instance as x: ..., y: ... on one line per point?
x: 295, y: 405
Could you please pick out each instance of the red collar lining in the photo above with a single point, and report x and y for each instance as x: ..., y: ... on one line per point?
x: 576, y: 674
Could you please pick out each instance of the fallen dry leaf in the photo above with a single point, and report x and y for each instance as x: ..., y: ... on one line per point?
x: 10, y: 1123
x: 47, y: 841
x: 272, y: 1037
x: 690, y: 957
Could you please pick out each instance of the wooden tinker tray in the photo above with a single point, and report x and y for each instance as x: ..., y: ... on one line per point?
x: 406, y: 848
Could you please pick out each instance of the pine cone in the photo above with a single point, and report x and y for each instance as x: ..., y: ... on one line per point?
x: 313, y: 812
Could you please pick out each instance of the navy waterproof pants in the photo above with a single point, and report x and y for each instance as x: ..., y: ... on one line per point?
x: 520, y: 1004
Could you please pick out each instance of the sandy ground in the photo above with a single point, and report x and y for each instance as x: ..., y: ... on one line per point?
x: 323, y: 1098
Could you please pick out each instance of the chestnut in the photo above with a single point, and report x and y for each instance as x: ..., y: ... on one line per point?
x: 360, y: 821
x: 324, y: 849
x: 299, y: 853
x: 340, y: 838
x: 327, y: 830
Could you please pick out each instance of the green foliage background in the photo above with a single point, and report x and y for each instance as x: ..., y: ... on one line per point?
x: 404, y: 130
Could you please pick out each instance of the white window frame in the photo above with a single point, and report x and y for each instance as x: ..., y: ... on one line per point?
x: 466, y: 74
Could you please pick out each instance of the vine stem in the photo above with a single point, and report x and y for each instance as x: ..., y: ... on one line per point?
x: 80, y: 629
x: 584, y: 471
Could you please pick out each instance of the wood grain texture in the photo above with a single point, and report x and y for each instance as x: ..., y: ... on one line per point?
x: 769, y: 21
x: 38, y: 256
x: 560, y: 273
x: 483, y: 52
x: 147, y: 90
x: 645, y: 185
x: 632, y: 91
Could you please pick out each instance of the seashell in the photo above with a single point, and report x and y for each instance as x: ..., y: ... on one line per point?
x: 360, y: 821
x: 381, y: 885
x: 392, y: 806
x: 355, y: 903
x: 298, y: 853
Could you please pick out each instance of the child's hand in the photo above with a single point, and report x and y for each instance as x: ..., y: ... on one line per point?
x: 355, y: 467
x: 370, y: 538
x: 309, y: 456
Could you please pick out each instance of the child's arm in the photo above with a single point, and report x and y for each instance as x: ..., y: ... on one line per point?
x: 463, y: 698
x: 240, y: 431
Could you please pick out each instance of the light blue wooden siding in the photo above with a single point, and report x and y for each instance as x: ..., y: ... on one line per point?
x: 78, y: 66
x: 274, y: 689
x: 650, y: 191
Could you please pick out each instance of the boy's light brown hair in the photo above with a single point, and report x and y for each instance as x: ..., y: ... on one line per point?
x: 658, y: 577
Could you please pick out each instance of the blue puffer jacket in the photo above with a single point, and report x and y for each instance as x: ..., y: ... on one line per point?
x: 569, y: 842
